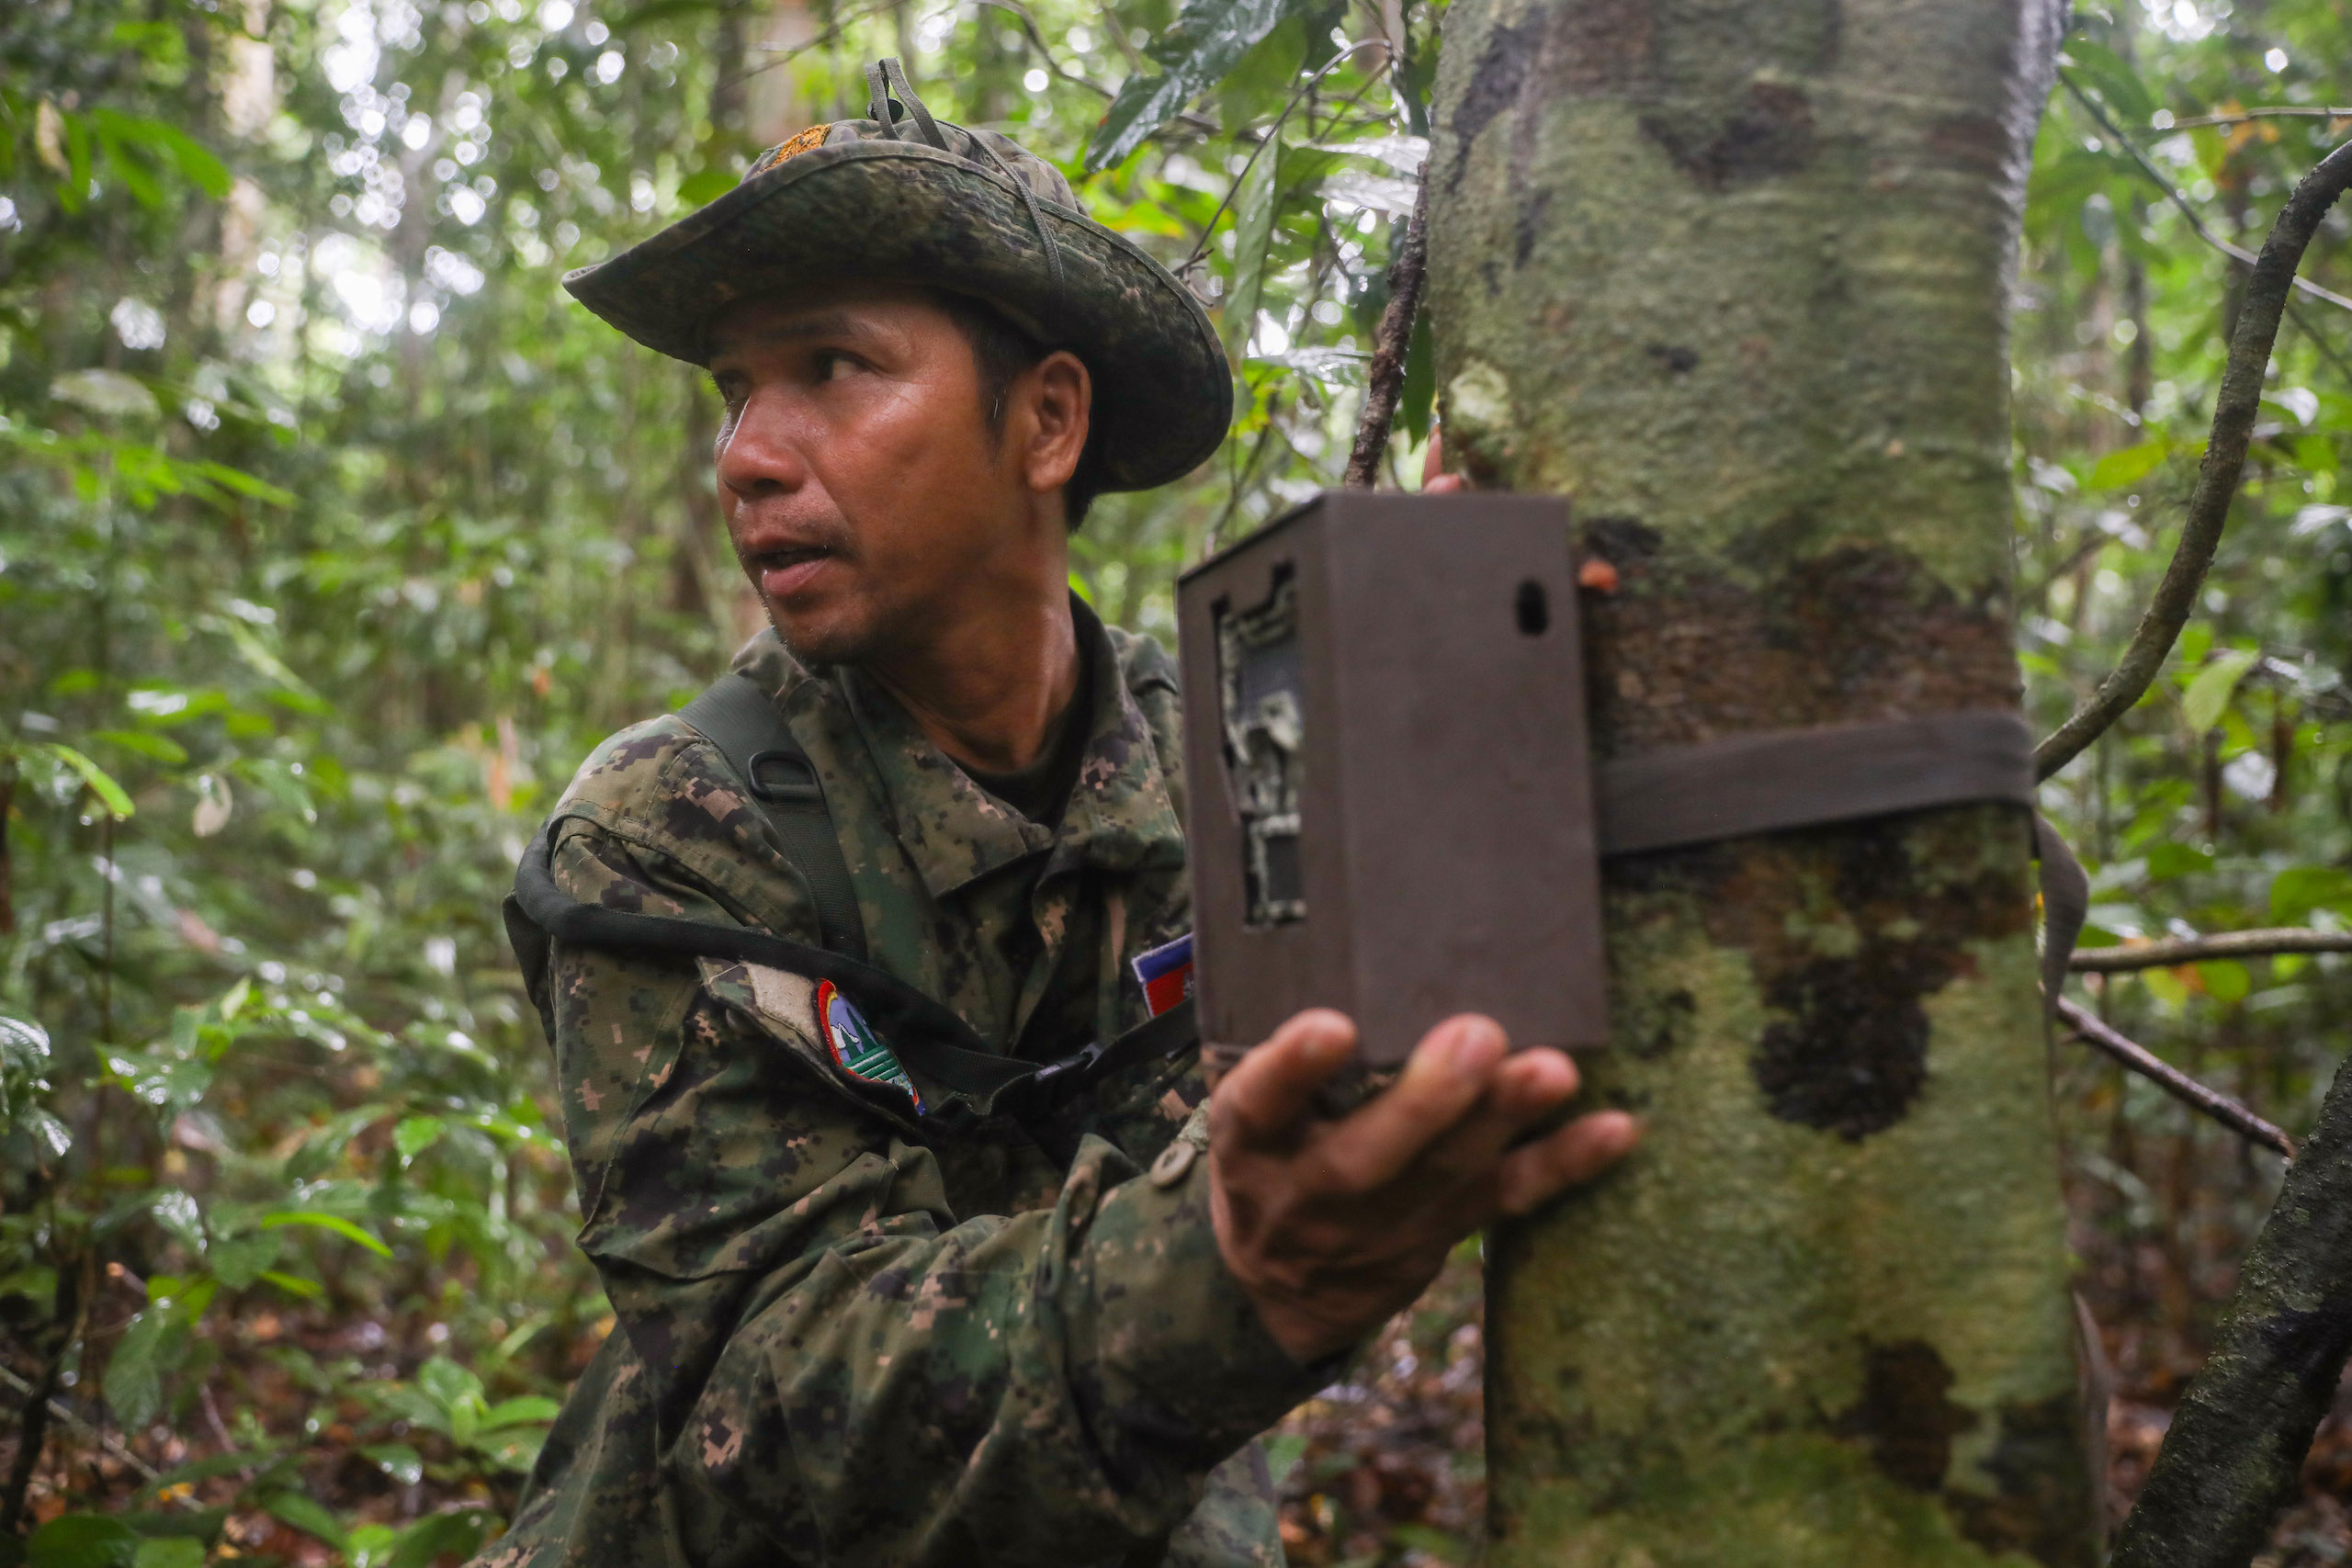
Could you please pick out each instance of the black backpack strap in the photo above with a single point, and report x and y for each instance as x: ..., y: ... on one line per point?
x: 936, y: 1048
x: 739, y: 719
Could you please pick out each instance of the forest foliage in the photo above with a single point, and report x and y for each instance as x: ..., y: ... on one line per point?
x: 332, y: 536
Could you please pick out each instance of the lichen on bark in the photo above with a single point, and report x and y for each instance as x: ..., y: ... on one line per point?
x: 1732, y: 275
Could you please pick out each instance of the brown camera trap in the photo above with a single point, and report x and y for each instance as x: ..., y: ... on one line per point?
x: 1390, y: 788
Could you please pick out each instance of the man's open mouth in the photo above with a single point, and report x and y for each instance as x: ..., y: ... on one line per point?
x: 782, y: 571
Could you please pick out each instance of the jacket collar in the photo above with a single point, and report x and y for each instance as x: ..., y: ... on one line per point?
x: 1120, y: 818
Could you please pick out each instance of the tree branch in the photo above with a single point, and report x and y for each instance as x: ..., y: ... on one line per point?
x: 2172, y: 194
x: 2166, y: 952
x: 2217, y: 477
x: 1385, y: 381
x: 67, y: 1318
x: 1346, y: 52
x: 1037, y: 42
x: 60, y: 1411
x: 2211, y: 1102
x: 2296, y: 111
x: 2235, y: 1449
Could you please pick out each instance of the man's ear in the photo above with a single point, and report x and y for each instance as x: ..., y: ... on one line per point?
x: 1055, y: 398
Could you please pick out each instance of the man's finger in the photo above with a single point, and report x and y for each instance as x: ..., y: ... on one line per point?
x: 1531, y: 1177
x: 1532, y: 1083
x: 1526, y: 1089
x: 1263, y: 1098
x: 1448, y: 1074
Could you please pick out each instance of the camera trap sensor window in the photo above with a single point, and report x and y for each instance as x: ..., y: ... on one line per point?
x: 1265, y: 717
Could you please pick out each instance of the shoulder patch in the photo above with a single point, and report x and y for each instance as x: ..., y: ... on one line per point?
x: 856, y: 1049
x: 812, y: 1017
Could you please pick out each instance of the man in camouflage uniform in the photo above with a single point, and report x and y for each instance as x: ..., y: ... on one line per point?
x: 865, y: 1317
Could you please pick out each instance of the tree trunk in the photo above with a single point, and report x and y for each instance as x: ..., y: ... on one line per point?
x: 1732, y: 274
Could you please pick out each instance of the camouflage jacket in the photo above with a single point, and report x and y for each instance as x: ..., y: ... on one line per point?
x: 852, y: 1331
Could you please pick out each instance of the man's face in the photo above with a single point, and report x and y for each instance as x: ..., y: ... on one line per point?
x: 865, y: 492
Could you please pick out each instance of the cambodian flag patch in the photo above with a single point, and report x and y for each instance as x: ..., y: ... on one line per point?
x: 1166, y: 974
x: 856, y: 1049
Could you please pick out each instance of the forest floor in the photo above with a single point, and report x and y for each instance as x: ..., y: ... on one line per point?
x: 1384, y: 1470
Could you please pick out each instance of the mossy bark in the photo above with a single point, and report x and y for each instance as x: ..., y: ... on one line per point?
x: 1733, y: 274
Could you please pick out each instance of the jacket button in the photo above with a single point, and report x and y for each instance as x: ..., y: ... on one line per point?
x: 1173, y: 1162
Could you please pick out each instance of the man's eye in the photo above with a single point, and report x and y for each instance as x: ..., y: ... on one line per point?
x: 833, y: 363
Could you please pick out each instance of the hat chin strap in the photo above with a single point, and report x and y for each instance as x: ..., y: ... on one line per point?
x: 886, y: 78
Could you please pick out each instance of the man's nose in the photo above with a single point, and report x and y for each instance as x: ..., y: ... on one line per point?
x: 759, y: 453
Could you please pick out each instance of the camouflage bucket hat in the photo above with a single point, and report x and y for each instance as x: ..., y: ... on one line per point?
x: 918, y: 200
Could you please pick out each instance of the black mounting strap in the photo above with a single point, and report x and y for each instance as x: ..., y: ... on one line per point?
x: 739, y: 719
x: 1804, y: 778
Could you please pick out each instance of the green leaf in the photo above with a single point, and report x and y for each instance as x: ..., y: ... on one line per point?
x: 178, y: 1213
x: 2296, y: 892
x: 2166, y: 986
x: 2210, y: 693
x: 513, y: 1450
x: 1283, y: 1450
x: 335, y: 1222
x: 370, y: 1546
x: 2116, y: 81
x: 226, y: 1462
x: 293, y: 1285
x: 2225, y: 980
x: 416, y: 1134
x: 1253, y: 225
x: 81, y: 1541
x: 401, y: 1462
x: 449, y: 1384
x: 308, y: 1514
x: 24, y: 1045
x: 107, y: 393
x: 134, y: 1380
x: 2129, y: 464
x: 429, y: 1540
x: 161, y: 748
x: 169, y: 1551
x: 1208, y: 39
x: 2169, y: 860
x: 241, y: 1260
x: 101, y: 782
x: 530, y: 1409
x: 242, y: 483
x: 698, y: 190
x: 168, y: 144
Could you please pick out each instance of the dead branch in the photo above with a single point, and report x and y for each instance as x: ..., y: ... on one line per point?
x: 2296, y: 111
x: 2211, y: 1102
x: 59, y: 1410
x: 2166, y: 952
x: 1385, y: 382
x: 2217, y: 477
x: 2235, y: 1449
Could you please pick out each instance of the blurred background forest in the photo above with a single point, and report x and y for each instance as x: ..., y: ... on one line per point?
x: 332, y: 536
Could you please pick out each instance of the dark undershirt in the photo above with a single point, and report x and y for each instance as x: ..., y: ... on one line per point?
x: 1042, y: 790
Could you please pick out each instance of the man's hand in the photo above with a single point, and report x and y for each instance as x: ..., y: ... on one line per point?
x: 1331, y: 1226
